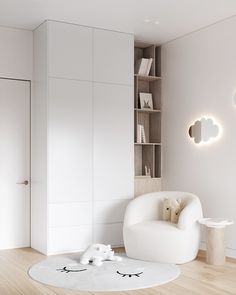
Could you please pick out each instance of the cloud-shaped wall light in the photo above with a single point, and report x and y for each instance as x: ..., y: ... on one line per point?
x: 204, y: 130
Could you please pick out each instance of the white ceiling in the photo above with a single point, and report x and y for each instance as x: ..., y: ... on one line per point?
x: 176, y: 17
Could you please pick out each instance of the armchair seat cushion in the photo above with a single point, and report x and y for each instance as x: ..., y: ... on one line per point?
x: 155, y: 227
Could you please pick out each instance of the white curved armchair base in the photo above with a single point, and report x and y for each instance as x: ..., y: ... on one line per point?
x: 148, y: 238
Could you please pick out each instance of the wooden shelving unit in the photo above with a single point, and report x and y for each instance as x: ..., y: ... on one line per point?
x: 148, y: 154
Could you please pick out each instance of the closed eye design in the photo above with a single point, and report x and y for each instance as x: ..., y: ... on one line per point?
x: 66, y: 270
x: 129, y: 274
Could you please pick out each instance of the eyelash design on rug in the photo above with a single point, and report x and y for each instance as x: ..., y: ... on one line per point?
x: 66, y: 270
x: 129, y: 274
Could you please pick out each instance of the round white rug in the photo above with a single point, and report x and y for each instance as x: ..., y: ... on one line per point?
x: 65, y: 271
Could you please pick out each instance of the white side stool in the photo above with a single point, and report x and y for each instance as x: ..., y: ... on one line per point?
x: 215, y: 244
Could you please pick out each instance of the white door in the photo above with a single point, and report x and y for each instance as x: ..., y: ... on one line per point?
x: 14, y: 164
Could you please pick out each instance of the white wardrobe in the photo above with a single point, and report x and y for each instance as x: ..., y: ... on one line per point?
x: 82, y: 136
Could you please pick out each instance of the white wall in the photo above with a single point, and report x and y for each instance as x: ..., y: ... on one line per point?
x: 199, y: 78
x: 16, y: 53
x: 16, y: 56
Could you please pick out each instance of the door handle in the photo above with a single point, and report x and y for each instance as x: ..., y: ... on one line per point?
x: 26, y: 182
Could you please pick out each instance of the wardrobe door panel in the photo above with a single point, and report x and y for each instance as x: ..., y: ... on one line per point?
x: 70, y: 214
x: 69, y: 239
x: 70, y: 141
x: 113, y: 142
x: 113, y: 57
x: 70, y: 51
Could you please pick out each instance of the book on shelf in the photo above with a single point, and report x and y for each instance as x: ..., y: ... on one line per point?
x: 149, y: 66
x: 141, y: 138
x: 143, y: 66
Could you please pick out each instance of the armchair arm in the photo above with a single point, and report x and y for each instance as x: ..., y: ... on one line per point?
x: 191, y: 213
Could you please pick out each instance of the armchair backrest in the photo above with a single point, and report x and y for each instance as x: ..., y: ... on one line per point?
x: 149, y: 207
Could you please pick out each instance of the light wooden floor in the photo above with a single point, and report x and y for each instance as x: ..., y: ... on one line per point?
x: 196, y: 278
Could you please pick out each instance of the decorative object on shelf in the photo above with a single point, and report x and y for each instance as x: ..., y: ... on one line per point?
x: 204, y: 130
x: 146, y: 101
x: 215, y: 239
x: 147, y: 171
x: 143, y: 66
x: 141, y: 138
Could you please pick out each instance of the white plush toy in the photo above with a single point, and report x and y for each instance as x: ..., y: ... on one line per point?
x: 166, y: 209
x: 176, y: 208
x: 97, y: 253
x: 171, y: 209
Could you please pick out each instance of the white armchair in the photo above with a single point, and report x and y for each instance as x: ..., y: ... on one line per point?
x: 148, y: 237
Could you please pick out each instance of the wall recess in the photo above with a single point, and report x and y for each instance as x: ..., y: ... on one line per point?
x: 204, y: 130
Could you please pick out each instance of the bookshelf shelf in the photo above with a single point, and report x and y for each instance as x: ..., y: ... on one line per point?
x: 148, y: 155
x: 144, y: 177
x: 147, y: 110
x: 149, y: 143
x: 147, y: 78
